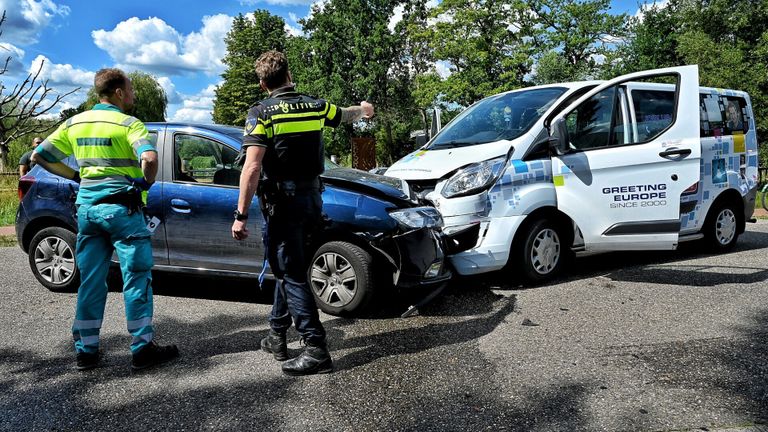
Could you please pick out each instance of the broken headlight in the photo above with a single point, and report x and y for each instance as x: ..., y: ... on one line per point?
x: 474, y: 178
x: 418, y: 217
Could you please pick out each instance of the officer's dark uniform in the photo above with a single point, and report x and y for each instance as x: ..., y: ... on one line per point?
x: 290, y: 126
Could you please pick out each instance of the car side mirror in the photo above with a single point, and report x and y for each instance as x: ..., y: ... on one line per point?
x: 558, y: 137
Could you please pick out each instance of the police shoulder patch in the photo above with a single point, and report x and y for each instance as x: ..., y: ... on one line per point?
x: 250, y: 124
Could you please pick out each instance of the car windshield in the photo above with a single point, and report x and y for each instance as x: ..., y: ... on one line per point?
x: 501, y: 117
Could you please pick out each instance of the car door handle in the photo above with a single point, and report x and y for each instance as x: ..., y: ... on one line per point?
x: 180, y: 206
x: 675, y: 153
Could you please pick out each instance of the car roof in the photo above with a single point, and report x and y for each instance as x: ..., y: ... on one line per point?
x: 228, y: 130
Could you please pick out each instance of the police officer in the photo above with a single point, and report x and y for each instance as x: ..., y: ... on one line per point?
x: 283, y: 133
x: 118, y: 164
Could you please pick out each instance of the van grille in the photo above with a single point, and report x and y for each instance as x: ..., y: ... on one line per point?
x: 422, y: 187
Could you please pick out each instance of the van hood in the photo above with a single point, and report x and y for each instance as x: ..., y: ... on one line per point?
x: 429, y: 164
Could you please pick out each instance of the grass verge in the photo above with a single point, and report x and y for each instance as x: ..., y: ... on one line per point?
x: 8, y: 241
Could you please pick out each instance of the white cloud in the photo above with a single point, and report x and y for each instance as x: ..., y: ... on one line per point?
x: 155, y: 46
x: 294, y: 30
x: 174, y: 97
x: 25, y: 19
x: 397, y: 16
x: 645, y: 7
x: 15, y: 55
x: 61, y: 75
x: 443, y: 69
x: 196, y: 108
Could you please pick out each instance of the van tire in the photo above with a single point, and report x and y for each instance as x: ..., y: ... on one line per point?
x: 52, y: 259
x: 542, y: 251
x: 721, y: 228
x: 346, y: 286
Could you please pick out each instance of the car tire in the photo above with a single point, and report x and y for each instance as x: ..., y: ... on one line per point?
x: 341, y: 278
x: 721, y: 228
x: 52, y: 259
x: 541, y: 253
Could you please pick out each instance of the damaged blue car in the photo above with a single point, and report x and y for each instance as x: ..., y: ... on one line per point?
x: 375, y: 236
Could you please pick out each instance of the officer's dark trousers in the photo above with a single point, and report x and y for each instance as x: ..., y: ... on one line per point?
x: 287, y: 231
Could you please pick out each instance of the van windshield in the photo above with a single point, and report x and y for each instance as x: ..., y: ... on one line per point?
x: 500, y: 117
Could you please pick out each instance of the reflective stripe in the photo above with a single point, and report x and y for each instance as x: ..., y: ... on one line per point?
x: 325, y: 111
x: 140, y: 142
x: 297, y: 127
x: 69, y: 122
x: 87, y: 324
x: 105, y: 179
x: 102, y: 162
x: 139, y: 323
x: 313, y: 115
x: 97, y: 142
x: 53, y: 150
x: 146, y: 337
x: 331, y: 112
x: 129, y: 121
x: 90, y: 340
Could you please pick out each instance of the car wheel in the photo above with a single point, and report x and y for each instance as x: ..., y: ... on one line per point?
x: 341, y: 278
x: 541, y: 252
x: 721, y: 229
x: 52, y: 259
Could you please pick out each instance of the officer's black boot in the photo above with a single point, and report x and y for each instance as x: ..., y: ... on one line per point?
x: 314, y: 360
x: 275, y: 344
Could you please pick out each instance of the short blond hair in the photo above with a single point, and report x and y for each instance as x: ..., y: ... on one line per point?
x: 272, y: 68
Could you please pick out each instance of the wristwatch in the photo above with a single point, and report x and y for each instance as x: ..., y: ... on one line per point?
x: 240, y: 216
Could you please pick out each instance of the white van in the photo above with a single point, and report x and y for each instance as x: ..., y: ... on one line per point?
x: 641, y: 162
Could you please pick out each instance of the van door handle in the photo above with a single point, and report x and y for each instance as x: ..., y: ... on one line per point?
x: 675, y: 153
x: 180, y: 206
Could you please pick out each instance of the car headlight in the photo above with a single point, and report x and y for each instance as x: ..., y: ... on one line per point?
x: 474, y: 178
x: 418, y: 217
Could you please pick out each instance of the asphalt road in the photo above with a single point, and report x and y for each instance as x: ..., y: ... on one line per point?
x: 628, y: 342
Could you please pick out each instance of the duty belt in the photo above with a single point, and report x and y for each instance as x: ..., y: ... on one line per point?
x: 289, y: 186
x: 130, y: 200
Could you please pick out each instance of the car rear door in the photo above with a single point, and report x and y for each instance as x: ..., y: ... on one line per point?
x: 622, y: 178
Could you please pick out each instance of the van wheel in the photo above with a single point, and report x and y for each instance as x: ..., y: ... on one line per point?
x: 721, y: 229
x: 52, y: 259
x: 341, y: 278
x: 542, y: 251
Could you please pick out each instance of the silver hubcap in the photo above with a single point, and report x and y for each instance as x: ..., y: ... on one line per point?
x: 334, y: 279
x: 725, y: 226
x: 54, y: 260
x: 545, y: 252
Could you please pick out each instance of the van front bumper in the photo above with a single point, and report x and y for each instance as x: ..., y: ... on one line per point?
x: 491, y: 251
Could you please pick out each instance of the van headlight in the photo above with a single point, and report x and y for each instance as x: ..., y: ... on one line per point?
x: 474, y: 178
x: 418, y: 217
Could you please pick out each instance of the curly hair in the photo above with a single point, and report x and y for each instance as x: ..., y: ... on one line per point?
x: 107, y: 80
x: 272, y: 68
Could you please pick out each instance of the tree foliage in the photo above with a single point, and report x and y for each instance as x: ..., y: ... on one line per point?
x: 249, y: 37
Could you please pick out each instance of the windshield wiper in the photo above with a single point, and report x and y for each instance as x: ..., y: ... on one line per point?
x: 456, y: 143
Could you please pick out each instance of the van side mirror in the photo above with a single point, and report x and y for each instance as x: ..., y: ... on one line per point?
x: 558, y: 137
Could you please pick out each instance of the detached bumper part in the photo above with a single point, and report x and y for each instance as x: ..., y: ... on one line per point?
x: 422, y: 260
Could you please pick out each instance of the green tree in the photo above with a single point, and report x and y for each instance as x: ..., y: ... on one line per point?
x: 151, y: 100
x: 249, y: 37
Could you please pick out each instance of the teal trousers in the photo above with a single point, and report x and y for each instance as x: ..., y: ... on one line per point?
x: 102, y: 229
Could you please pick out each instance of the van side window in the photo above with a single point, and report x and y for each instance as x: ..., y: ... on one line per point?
x: 722, y: 115
x: 654, y: 111
x: 589, y: 125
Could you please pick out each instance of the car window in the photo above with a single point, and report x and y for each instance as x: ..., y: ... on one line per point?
x: 603, y: 120
x: 202, y: 160
x: 723, y: 115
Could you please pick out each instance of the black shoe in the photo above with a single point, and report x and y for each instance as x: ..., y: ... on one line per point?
x: 275, y: 344
x: 153, y: 354
x: 314, y: 360
x: 87, y: 361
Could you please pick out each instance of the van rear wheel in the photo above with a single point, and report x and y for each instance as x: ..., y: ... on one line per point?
x: 721, y: 229
x: 542, y: 251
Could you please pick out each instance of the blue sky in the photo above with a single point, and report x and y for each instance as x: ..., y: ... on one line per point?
x: 180, y: 42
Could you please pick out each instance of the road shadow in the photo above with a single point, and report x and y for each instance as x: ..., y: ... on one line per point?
x: 648, y: 266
